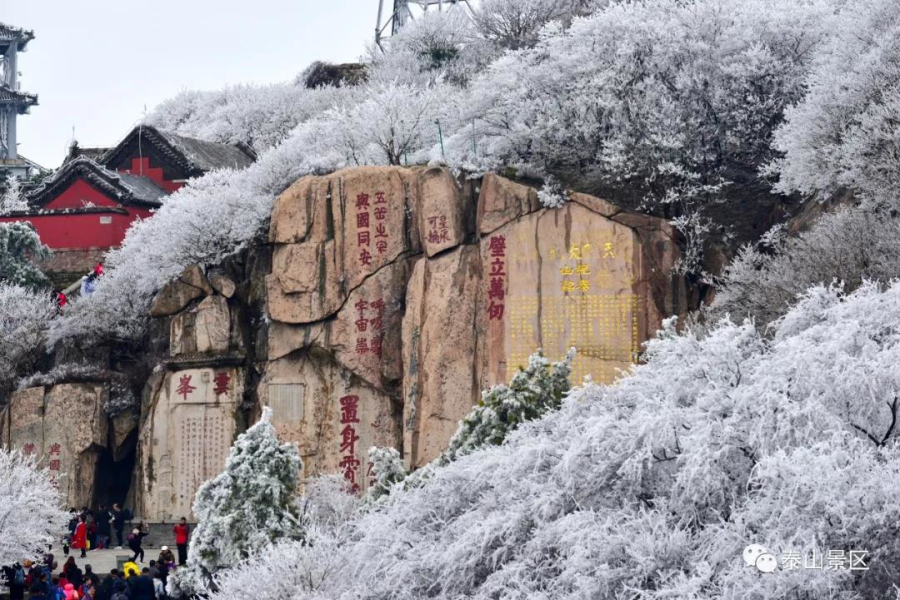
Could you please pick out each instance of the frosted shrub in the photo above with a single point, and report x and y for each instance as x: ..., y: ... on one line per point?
x: 387, y: 465
x: 552, y: 194
x: 20, y: 251
x: 848, y: 246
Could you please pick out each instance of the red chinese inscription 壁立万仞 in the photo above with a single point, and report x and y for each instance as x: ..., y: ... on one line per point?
x: 497, y: 277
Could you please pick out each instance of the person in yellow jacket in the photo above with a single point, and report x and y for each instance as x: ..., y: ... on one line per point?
x: 130, y: 568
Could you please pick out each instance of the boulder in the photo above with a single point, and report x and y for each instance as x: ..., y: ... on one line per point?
x: 331, y: 233
x: 559, y: 278
x: 203, y: 329
x: 441, y: 211
x: 223, y: 285
x: 123, y: 425
x: 180, y: 292
x: 502, y: 201
x: 26, y: 418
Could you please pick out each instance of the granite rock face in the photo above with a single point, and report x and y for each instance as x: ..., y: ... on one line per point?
x: 177, y: 294
x: 65, y: 427
x: 385, y: 301
x: 428, y: 294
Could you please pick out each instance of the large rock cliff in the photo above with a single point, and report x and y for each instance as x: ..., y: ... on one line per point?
x: 384, y: 302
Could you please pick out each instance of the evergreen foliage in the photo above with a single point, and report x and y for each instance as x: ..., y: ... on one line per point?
x: 20, y: 249
x: 251, y: 504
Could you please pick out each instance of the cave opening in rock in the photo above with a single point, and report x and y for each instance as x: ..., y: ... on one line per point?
x: 113, y: 480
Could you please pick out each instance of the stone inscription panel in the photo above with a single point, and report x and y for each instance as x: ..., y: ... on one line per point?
x: 558, y: 279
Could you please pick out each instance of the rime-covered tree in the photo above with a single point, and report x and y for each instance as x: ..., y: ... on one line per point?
x: 843, y: 133
x: 12, y: 198
x: 516, y: 24
x: 30, y: 515
x: 251, y: 504
x: 20, y: 250
x: 534, y: 391
x: 25, y: 316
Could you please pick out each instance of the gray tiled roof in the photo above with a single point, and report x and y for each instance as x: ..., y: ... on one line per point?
x: 195, y: 157
x: 94, y: 154
x: 207, y: 156
x: 123, y: 187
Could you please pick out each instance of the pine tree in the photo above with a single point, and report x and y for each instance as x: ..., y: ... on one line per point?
x: 251, y: 504
x: 533, y: 392
x: 388, y: 467
x: 20, y: 249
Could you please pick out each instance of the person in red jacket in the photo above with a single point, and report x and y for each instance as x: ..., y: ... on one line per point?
x: 182, y: 531
x: 79, y: 538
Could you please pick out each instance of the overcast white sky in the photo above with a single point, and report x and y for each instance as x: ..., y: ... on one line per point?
x: 95, y: 64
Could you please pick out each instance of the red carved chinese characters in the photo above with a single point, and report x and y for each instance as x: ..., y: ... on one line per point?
x: 364, y: 234
x: 381, y: 235
x: 438, y: 231
x: 373, y: 326
x: 184, y: 386
x: 497, y: 275
x: 349, y: 462
x: 54, y: 464
x: 222, y: 380
x: 377, y: 324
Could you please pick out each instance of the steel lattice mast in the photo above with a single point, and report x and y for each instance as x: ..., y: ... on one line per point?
x: 404, y: 11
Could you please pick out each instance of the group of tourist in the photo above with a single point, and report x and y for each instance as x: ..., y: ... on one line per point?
x: 132, y: 583
x: 90, y: 529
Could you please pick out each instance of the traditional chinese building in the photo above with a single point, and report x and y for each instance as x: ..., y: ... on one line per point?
x: 13, y: 101
x: 84, y: 209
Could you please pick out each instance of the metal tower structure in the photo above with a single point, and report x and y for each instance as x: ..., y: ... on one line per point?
x: 404, y: 11
x: 13, y: 102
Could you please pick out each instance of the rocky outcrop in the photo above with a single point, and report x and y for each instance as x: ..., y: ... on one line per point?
x: 65, y: 427
x: 384, y: 302
x: 479, y: 282
x: 177, y: 294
